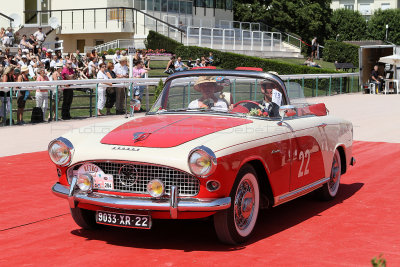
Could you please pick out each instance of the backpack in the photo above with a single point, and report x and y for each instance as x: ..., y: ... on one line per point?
x: 37, y: 115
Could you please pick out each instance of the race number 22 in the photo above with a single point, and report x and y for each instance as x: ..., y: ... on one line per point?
x: 304, y: 156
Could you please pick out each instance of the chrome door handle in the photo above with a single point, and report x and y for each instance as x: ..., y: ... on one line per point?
x: 275, y: 151
x: 322, y: 125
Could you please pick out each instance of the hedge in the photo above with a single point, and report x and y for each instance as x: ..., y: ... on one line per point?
x: 341, y: 52
x: 227, y: 60
x: 156, y: 41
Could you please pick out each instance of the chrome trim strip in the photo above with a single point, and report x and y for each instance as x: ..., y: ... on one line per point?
x: 71, y: 200
x: 122, y: 202
x: 299, y: 192
x: 173, y: 202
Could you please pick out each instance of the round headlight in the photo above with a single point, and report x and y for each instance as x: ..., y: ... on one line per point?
x: 85, y: 182
x: 60, y: 151
x: 155, y: 188
x: 202, y: 161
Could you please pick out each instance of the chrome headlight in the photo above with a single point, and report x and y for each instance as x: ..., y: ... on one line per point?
x: 60, y: 151
x: 85, y: 182
x: 202, y: 161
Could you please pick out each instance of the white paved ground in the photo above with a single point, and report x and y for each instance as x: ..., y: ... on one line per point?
x: 374, y: 117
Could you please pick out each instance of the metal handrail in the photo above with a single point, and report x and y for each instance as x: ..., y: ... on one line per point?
x: 106, y: 8
x: 7, y: 17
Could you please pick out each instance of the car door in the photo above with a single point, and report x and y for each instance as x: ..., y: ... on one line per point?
x: 308, y: 145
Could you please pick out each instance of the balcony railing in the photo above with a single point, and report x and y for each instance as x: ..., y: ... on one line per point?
x: 107, y: 19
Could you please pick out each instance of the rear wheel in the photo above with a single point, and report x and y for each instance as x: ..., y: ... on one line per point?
x: 330, y: 189
x: 236, y: 224
x: 84, y: 218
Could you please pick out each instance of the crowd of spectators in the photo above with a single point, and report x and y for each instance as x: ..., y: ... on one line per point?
x: 33, y: 62
x: 176, y: 64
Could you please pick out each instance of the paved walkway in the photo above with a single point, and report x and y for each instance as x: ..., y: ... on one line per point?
x: 374, y: 117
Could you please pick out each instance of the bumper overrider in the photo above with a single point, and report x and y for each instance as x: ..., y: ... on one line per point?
x: 173, y: 204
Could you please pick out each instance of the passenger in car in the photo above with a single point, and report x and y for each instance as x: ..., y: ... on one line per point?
x: 272, y: 97
x: 208, y: 87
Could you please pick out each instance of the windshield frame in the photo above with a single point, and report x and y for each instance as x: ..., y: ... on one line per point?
x: 163, y: 97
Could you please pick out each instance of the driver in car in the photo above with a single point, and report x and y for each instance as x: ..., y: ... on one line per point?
x: 272, y: 98
x: 208, y: 87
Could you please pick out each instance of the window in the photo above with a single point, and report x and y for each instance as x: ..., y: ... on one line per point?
x: 98, y: 42
x: 385, y: 6
x: 350, y: 7
x: 365, y: 9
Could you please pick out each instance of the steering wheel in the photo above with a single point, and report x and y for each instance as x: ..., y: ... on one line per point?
x: 245, y: 106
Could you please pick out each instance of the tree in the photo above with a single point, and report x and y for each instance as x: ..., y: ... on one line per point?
x: 348, y: 25
x: 376, y: 27
x: 306, y: 18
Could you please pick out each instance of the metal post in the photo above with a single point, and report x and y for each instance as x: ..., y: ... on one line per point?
x: 72, y: 24
x: 316, y: 86
x: 5, y: 109
x: 255, y: 89
x: 288, y: 86
x: 223, y: 38
x: 340, y: 85
x: 272, y: 40
x: 5, y: 115
x: 251, y: 89
x: 83, y: 17
x: 147, y: 98
x: 302, y: 84
x: 351, y: 85
x: 200, y: 30
x: 188, y: 93
x: 330, y: 84
x: 97, y: 95
x: 234, y: 91
x: 56, y: 103
x: 90, y: 103
x: 51, y: 104
x: 262, y: 41
x: 130, y: 92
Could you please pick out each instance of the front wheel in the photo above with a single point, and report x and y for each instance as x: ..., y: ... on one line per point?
x: 329, y: 190
x: 84, y: 218
x: 235, y: 225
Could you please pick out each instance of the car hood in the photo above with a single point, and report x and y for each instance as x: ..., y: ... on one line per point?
x: 163, y: 131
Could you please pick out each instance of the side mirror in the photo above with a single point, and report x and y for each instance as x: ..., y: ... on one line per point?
x: 135, y: 105
x: 286, y: 111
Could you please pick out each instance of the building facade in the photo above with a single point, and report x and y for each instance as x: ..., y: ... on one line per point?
x: 89, y: 23
x: 366, y: 7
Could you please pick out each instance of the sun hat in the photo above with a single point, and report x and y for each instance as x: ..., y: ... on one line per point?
x: 207, y: 79
x: 59, y: 65
x: 24, y: 68
x: 23, y: 56
x: 123, y: 59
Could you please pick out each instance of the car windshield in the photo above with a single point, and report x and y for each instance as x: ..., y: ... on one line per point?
x: 234, y: 95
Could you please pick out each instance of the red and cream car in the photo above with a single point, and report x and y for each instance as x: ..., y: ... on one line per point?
x: 216, y: 143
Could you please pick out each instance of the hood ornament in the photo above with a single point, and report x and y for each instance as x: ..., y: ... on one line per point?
x: 140, y: 136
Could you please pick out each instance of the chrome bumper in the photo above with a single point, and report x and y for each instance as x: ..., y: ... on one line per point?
x: 173, y: 204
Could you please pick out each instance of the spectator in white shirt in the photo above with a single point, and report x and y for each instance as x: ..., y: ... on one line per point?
x: 117, y: 56
x: 54, y: 61
x: 93, y: 67
x: 101, y: 91
x: 23, y: 61
x: 122, y: 71
x: 40, y: 36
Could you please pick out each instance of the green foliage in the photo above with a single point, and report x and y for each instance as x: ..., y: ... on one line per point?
x: 156, y: 40
x: 307, y: 18
x: 379, y: 262
x: 349, y: 24
x: 227, y: 60
x: 158, y: 89
x: 376, y: 27
x: 340, y: 52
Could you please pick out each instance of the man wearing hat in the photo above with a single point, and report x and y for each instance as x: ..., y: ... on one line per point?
x: 207, y: 86
x: 122, y: 71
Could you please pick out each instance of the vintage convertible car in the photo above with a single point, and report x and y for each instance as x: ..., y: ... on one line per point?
x: 216, y: 143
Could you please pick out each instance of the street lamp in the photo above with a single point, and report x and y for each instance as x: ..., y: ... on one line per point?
x: 387, y: 28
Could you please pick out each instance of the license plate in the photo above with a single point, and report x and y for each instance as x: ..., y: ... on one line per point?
x: 123, y: 220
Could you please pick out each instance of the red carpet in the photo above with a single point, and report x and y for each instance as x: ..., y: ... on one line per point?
x: 361, y: 223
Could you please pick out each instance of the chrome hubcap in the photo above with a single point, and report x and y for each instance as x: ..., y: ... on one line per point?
x: 334, y: 174
x: 244, y: 204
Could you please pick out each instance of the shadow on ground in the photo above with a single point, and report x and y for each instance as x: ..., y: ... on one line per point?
x: 199, y: 235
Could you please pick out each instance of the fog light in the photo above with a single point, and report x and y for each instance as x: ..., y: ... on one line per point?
x: 85, y: 182
x: 213, y: 186
x: 155, y: 188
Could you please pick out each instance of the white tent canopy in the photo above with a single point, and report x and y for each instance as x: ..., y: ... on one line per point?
x: 392, y: 60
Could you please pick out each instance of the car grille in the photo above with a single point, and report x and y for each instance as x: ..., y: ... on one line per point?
x: 134, y: 177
